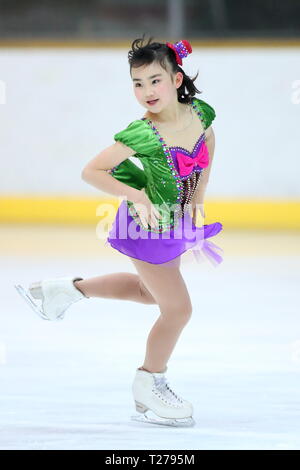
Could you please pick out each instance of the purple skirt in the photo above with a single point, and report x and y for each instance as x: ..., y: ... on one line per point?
x: 130, y: 239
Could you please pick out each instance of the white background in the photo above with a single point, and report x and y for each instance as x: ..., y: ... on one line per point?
x: 62, y: 107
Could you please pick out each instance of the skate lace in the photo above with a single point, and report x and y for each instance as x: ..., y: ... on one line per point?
x: 164, y: 391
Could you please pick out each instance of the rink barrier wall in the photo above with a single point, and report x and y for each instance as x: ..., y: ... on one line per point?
x: 112, y: 43
x: 239, y: 214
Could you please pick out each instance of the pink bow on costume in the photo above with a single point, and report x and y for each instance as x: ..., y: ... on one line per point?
x: 186, y: 163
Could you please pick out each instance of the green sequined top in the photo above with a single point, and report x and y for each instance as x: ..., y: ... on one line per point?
x: 162, y: 182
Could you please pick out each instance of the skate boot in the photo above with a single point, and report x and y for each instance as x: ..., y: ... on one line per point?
x: 157, y: 403
x: 54, y: 295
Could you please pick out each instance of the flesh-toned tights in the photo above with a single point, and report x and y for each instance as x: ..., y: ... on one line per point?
x: 158, y: 284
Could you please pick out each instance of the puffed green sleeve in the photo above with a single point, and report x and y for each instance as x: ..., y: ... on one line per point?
x: 208, y: 112
x: 129, y: 173
x: 139, y: 136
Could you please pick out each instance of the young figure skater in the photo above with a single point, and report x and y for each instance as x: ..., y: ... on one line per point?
x: 157, y: 203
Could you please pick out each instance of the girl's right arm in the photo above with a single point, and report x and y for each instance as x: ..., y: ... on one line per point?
x: 96, y: 172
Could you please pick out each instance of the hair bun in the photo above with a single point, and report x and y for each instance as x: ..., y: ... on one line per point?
x: 181, y: 48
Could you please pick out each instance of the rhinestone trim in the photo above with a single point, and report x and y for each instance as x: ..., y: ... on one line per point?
x: 179, y: 182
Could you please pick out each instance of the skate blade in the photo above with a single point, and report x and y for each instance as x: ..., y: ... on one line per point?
x: 30, y: 302
x: 152, y: 418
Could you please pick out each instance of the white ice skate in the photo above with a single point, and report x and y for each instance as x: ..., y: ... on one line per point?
x: 55, y: 296
x: 157, y: 403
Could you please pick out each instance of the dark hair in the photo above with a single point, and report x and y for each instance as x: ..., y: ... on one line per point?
x: 159, y: 52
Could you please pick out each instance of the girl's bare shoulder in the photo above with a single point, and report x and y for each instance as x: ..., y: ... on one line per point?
x: 209, y: 133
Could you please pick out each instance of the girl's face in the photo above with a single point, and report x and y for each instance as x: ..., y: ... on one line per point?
x: 152, y: 82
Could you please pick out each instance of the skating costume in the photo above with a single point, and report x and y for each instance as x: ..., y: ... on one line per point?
x: 169, y: 177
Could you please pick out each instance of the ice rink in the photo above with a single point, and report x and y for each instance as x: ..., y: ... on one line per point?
x: 67, y: 385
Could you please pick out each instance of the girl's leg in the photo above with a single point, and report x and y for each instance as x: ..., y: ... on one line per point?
x: 123, y: 286
x: 170, y: 292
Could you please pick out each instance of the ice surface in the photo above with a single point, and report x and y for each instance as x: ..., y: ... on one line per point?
x: 67, y: 385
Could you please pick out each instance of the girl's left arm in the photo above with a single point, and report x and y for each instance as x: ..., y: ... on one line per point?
x: 198, y: 197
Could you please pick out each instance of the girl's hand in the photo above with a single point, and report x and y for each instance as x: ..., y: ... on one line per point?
x: 146, y: 211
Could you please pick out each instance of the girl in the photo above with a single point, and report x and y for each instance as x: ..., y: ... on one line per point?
x: 175, y: 142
